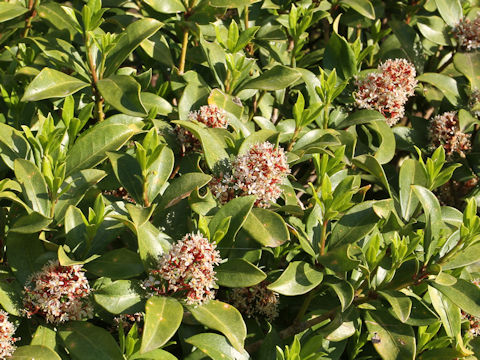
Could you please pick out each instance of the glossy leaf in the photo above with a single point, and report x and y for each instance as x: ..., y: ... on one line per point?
x: 468, y: 63
x: 238, y: 273
x: 152, y: 243
x: 132, y: 37
x: 224, y: 318
x: 446, y: 84
x: 119, y: 296
x: 448, y: 312
x: 159, y: 172
x: 163, y: 316
x: 411, y: 173
x: 363, y: 7
x: 50, y: 83
x: 339, y: 55
x: 117, y: 264
x: 11, y: 10
x: 81, y: 335
x: 181, y: 187
x: 33, y: 185
x: 278, y: 77
x: 266, y: 227
x: 123, y: 93
x: 401, y: 304
x: 166, y: 6
x: 395, y: 341
x: 36, y: 352
x: 354, y: 225
x: 450, y: 10
x: 12, y: 145
x: 128, y: 173
x: 462, y: 293
x: 298, y: 278
x: 92, y: 147
x: 216, y: 347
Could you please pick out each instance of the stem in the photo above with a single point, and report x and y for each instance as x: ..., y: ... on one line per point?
x: 93, y: 71
x: 326, y: 115
x: 183, y: 56
x: 30, y: 15
x: 246, y: 17
x: 304, y: 308
x: 323, y: 237
x: 452, y: 252
x: 294, y: 139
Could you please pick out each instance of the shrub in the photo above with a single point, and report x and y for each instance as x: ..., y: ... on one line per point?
x: 235, y: 179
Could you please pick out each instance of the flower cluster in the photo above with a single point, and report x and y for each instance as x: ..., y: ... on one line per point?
x: 258, y: 172
x: 127, y: 321
x: 7, y: 340
x: 467, y: 33
x: 388, y: 89
x: 445, y: 131
x: 209, y: 115
x: 474, y: 102
x: 187, y: 269
x: 256, y: 301
x: 58, y: 293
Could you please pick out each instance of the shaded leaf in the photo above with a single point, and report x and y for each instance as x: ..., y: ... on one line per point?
x: 298, y: 278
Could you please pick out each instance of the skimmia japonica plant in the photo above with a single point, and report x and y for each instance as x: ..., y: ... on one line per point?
x: 239, y: 179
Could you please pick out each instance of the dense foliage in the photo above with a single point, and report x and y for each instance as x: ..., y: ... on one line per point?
x: 235, y: 179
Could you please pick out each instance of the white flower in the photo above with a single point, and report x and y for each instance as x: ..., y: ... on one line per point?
x: 58, y: 293
x: 7, y: 340
x: 258, y: 172
x: 388, y: 89
x: 188, y: 269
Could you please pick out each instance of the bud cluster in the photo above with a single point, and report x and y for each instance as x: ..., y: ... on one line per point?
x: 445, y: 131
x: 467, y: 33
x: 256, y: 301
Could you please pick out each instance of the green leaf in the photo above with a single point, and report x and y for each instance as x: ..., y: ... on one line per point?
x: 181, y: 187
x: 213, y: 150
x: 238, y: 272
x: 131, y: 38
x: 123, y: 93
x: 231, y: 3
x: 238, y: 210
x: 119, y: 296
x: 259, y: 136
x: 298, y: 278
x: 277, y: 78
x: 74, y: 189
x: 51, y: 83
x: 85, y: 341
x: 10, y: 11
x: 30, y: 223
x: 357, y: 222
x: 343, y: 289
x: 33, y: 185
x: 224, y: 318
x: 433, y: 214
x: 446, y: 84
x: 152, y: 243
x: 92, y: 147
x: 411, y: 173
x: 54, y: 14
x: 157, y: 48
x: 266, y: 227
x: 166, y: 6
x: 36, y: 352
x: 216, y: 347
x: 468, y: 64
x: 465, y: 257
x: 386, y: 149
x: 450, y: 10
x: 12, y: 145
x: 151, y: 101
x: 372, y: 166
x: 448, y: 311
x: 159, y: 172
x: 396, y: 340
x: 128, y: 173
x: 341, y: 258
x: 401, y: 303
x: 434, y: 29
x: 363, y: 7
x: 339, y: 55
x: 44, y: 336
x: 361, y: 117
x: 163, y: 316
x: 225, y: 102
x: 409, y: 41
x: 10, y: 299
x: 23, y: 250
x: 463, y: 293
x: 117, y: 264
x: 157, y: 354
